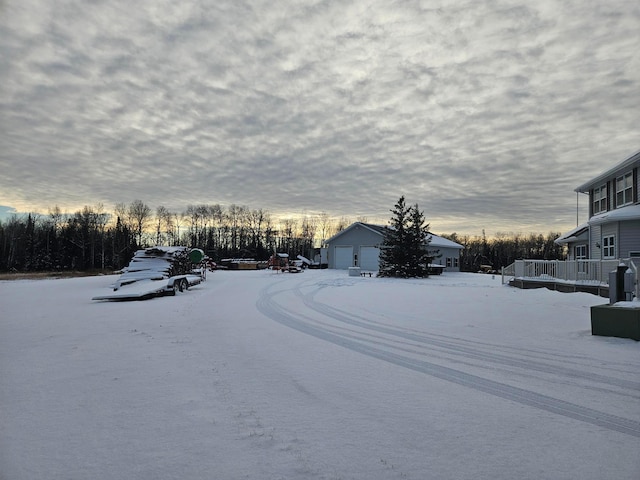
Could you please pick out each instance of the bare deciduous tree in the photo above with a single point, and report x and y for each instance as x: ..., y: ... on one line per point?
x: 161, y: 215
x: 139, y: 215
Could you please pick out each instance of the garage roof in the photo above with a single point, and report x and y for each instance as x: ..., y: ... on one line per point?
x: 436, y: 241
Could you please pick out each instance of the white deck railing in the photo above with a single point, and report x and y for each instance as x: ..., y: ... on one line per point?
x: 588, y: 272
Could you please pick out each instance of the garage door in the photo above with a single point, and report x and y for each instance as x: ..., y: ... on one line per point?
x: 344, y: 257
x: 369, y: 258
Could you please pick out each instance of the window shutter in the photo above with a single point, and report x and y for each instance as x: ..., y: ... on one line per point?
x: 635, y: 185
x: 609, y: 197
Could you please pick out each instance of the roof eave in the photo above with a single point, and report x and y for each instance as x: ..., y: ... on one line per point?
x: 379, y: 229
x: 352, y: 226
x: 585, y: 187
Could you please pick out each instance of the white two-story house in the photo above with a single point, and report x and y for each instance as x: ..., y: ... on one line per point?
x: 613, y: 228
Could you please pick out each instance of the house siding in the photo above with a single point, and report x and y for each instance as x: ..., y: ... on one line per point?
x: 596, y: 253
x: 447, y: 257
x: 629, y: 238
x: 359, y: 236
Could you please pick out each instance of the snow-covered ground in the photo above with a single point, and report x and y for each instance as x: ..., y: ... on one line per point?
x: 318, y: 375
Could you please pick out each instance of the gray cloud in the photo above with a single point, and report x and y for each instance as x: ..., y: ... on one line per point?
x: 487, y: 114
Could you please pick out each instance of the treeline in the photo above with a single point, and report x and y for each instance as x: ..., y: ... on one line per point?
x: 504, y: 249
x: 95, y: 239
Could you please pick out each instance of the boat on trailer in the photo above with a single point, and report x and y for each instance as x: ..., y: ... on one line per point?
x: 158, y: 271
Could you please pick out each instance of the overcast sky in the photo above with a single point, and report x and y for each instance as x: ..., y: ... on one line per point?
x: 488, y: 114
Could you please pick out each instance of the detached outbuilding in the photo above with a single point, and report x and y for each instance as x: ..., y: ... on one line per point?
x: 359, y: 244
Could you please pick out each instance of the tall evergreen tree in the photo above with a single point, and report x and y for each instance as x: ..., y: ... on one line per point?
x: 419, y: 239
x: 393, y: 254
x: 404, y: 250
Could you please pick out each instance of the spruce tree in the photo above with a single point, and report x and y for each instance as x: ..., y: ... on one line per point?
x: 404, y: 251
x: 420, y: 257
x: 393, y: 254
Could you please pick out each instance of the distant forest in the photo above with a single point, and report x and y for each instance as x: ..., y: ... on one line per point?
x: 96, y: 240
x: 504, y: 249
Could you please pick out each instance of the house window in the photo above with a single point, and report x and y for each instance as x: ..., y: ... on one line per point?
x: 456, y: 262
x: 448, y: 261
x: 609, y: 247
x: 580, y: 252
x: 600, y: 199
x: 624, y: 190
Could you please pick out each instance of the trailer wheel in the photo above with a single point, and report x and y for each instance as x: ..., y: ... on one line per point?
x: 185, y: 284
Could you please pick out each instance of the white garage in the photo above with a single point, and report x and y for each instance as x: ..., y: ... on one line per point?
x: 359, y: 245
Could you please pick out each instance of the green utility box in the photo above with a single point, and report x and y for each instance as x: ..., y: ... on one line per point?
x: 612, y: 321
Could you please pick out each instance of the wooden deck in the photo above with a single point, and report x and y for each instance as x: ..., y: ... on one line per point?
x: 560, y: 286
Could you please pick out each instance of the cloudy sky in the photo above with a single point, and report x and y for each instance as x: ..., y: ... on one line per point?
x: 488, y: 114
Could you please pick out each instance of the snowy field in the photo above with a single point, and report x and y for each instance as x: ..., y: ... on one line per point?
x: 262, y: 375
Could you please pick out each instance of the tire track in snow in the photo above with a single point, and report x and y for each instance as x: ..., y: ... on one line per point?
x: 458, y: 348
x: 267, y: 305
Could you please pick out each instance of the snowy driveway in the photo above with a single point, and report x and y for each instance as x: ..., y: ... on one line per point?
x: 259, y: 375
x: 427, y: 353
